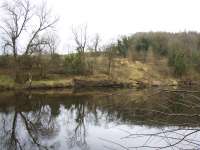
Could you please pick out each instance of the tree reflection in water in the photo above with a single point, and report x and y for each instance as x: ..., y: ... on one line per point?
x: 37, y: 125
x: 165, y: 120
x: 77, y: 136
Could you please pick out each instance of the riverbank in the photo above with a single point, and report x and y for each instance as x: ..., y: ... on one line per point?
x: 124, y: 74
x: 83, y: 82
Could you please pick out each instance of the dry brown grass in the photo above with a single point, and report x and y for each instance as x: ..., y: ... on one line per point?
x: 124, y: 70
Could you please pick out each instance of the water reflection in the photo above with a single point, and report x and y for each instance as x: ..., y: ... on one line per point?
x: 107, y: 120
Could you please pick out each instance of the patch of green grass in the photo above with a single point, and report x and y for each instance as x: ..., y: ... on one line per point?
x: 6, y: 81
x: 52, y: 83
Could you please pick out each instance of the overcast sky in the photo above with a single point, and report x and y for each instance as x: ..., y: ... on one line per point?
x: 112, y: 18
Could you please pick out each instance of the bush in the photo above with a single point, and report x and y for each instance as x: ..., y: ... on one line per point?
x: 74, y: 64
x: 123, y: 46
x: 56, y: 63
x: 178, y: 60
x: 195, y: 60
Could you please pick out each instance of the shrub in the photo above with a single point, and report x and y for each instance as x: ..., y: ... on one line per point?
x: 74, y: 64
x: 123, y: 46
x: 195, y: 60
x: 178, y: 60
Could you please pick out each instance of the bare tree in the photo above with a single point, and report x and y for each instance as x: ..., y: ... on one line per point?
x: 93, y: 48
x: 110, y: 52
x: 80, y: 38
x: 95, y: 43
x: 53, y: 41
x: 21, y: 21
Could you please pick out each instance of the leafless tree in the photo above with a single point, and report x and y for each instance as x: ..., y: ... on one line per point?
x: 53, y: 41
x: 80, y: 38
x: 24, y: 18
x: 95, y: 43
x: 110, y: 51
x: 23, y: 26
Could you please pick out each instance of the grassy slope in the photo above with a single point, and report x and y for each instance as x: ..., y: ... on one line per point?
x: 156, y: 73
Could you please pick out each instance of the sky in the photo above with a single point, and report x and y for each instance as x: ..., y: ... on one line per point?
x: 113, y: 18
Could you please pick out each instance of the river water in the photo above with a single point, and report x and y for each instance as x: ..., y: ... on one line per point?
x: 99, y: 119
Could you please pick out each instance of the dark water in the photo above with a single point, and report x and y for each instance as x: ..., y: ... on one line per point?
x: 91, y: 120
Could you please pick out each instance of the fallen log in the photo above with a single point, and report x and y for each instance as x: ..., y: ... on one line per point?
x: 78, y: 83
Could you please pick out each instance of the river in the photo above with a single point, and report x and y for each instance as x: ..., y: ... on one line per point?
x: 99, y: 119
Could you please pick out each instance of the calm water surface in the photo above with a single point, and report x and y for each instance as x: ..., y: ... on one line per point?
x: 90, y: 120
